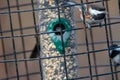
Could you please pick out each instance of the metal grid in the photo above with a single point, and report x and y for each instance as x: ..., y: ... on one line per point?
x: 15, y: 42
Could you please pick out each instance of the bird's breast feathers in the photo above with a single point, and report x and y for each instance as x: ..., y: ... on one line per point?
x: 117, y: 59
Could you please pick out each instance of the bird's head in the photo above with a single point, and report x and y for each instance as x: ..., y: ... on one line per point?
x: 113, y: 46
x: 113, y: 50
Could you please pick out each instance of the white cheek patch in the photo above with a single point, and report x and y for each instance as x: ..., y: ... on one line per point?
x: 118, y: 48
x: 117, y: 59
x: 95, y: 12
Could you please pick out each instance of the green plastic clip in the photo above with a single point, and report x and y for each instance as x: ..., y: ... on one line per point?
x: 60, y: 31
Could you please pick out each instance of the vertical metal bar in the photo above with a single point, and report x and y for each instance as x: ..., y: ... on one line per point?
x: 23, y: 42
x: 109, y: 21
x: 107, y: 38
x: 119, y: 5
x: 37, y: 39
x: 110, y: 34
x: 87, y: 45
x: 116, y: 74
x: 94, y: 54
x: 93, y: 48
x: 64, y: 55
x: 13, y: 41
x: 3, y: 49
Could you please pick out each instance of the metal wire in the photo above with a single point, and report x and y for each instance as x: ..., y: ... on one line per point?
x: 37, y: 39
x: 64, y: 56
x: 89, y: 45
x: 13, y: 41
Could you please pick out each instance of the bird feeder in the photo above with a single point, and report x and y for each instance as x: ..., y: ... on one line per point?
x: 57, y: 40
x: 59, y: 28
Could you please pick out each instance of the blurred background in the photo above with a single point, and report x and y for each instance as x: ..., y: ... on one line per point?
x: 21, y: 22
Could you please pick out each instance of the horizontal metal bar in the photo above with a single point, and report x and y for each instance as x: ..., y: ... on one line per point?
x: 24, y: 35
x: 29, y: 59
x: 83, y: 77
x: 79, y: 44
x: 97, y: 75
x: 37, y: 9
x: 18, y: 29
x: 22, y: 75
x: 20, y: 5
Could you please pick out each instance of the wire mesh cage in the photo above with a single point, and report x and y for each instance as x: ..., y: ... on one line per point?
x: 28, y: 50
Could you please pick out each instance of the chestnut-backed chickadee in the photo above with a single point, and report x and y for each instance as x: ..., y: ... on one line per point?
x: 90, y: 14
x: 115, y: 53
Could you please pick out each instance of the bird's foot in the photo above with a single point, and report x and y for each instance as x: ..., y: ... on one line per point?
x: 89, y: 26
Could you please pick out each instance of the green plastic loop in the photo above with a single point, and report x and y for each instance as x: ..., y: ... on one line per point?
x: 60, y: 33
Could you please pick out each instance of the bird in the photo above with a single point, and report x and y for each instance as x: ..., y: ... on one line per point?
x: 90, y: 13
x: 36, y: 51
x: 115, y: 54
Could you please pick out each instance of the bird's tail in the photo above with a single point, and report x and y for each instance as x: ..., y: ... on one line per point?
x: 35, y: 52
